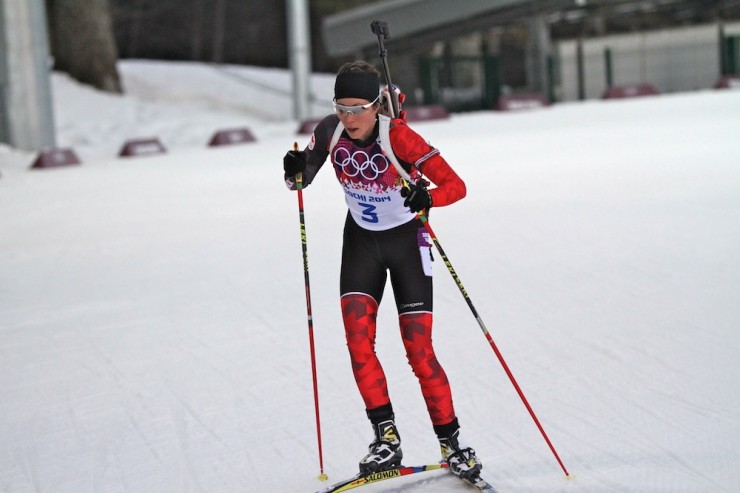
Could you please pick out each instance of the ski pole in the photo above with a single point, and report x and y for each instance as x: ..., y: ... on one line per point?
x: 304, y: 246
x: 500, y: 357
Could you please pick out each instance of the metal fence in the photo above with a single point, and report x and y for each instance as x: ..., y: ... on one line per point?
x: 683, y: 59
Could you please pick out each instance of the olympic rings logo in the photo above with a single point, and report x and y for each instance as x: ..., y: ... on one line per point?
x: 360, y: 163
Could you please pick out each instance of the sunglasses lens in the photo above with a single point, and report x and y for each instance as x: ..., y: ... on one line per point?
x: 348, y: 110
x: 353, y: 110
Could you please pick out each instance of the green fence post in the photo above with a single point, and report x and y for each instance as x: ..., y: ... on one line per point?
x: 551, y: 78
x: 427, y: 86
x: 732, y: 44
x: 608, y: 67
x: 492, y: 80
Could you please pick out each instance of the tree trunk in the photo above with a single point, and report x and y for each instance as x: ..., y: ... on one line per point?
x: 219, y: 28
x: 82, y: 42
x: 196, y: 40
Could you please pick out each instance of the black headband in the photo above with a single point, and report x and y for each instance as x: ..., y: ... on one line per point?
x: 360, y: 85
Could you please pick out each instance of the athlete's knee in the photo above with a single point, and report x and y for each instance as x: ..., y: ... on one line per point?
x: 416, y: 329
x: 359, y: 313
x: 358, y: 303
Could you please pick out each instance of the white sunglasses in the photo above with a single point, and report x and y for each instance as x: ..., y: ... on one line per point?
x: 356, y: 110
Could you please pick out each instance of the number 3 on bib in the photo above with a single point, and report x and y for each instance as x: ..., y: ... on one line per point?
x: 368, y: 213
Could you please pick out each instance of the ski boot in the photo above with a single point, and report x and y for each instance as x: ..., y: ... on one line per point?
x: 462, y: 460
x: 385, y: 451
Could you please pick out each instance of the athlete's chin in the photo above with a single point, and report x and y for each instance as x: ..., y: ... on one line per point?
x: 357, y: 133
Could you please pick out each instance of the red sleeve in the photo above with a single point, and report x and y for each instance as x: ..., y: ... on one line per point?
x: 413, y: 149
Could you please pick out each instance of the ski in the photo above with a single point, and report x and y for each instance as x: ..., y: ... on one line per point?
x: 362, y: 480
x: 480, y: 484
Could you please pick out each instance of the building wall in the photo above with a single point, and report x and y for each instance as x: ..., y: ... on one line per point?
x: 682, y: 59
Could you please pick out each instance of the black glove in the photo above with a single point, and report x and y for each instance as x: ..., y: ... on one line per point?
x: 294, y: 162
x: 417, y: 197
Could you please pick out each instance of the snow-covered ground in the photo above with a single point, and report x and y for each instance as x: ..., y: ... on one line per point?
x: 153, y: 333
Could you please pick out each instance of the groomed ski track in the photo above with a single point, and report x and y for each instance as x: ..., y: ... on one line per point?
x: 152, y: 320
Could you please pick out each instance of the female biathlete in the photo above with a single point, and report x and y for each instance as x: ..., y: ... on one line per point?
x: 383, y: 235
